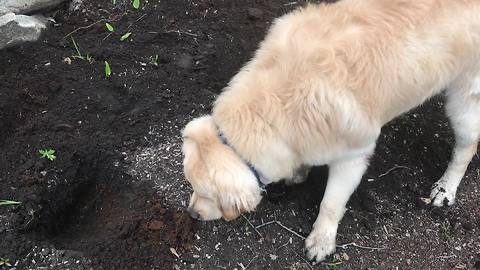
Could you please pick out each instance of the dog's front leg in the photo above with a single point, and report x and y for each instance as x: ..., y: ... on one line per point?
x: 344, y: 177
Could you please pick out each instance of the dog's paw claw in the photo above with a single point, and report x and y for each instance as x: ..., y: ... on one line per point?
x: 441, y: 195
x: 319, y: 246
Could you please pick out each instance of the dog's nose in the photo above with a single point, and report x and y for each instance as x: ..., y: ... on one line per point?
x: 192, y: 213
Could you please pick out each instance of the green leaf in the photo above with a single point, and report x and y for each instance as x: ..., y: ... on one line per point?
x: 136, y: 4
x: 125, y: 36
x: 114, y: 2
x: 7, y: 202
x: 108, y: 71
x: 47, y: 153
x: 109, y: 27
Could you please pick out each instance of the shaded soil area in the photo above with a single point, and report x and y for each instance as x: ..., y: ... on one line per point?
x: 113, y: 197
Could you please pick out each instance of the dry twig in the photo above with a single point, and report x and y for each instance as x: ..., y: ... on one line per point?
x: 254, y: 228
x: 265, y: 224
x: 344, y: 246
x: 392, y: 169
x: 290, y: 230
x: 281, y: 225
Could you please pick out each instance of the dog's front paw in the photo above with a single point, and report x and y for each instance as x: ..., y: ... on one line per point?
x: 441, y: 195
x: 320, y: 244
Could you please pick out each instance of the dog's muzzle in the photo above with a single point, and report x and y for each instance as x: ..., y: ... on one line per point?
x: 192, y: 213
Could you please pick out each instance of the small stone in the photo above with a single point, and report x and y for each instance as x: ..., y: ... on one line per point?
x: 467, y: 225
x: 273, y: 257
x: 75, y: 5
x: 185, y: 61
x: 345, y: 256
x: 45, y: 251
x: 255, y: 13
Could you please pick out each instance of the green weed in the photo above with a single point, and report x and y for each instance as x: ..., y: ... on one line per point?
x: 153, y: 60
x: 125, y: 36
x: 108, y: 70
x: 5, y: 262
x: 79, y: 55
x: 48, y: 153
x: 335, y: 264
x: 109, y: 27
x: 7, y: 202
x: 136, y: 4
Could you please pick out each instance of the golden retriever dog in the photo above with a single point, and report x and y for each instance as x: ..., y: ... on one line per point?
x: 324, y: 81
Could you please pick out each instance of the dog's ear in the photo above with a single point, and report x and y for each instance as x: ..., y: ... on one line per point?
x: 193, y: 136
x: 192, y: 164
x: 237, y: 191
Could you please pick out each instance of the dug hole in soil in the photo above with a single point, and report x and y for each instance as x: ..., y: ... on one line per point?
x: 114, y: 196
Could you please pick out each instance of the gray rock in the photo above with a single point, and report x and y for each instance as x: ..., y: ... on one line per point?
x: 26, y: 6
x: 185, y: 61
x: 75, y: 5
x: 16, y: 29
x: 255, y: 13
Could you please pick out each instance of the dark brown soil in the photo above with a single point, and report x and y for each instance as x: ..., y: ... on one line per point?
x: 113, y: 197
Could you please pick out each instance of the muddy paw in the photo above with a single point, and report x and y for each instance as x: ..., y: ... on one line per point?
x: 320, y: 245
x: 441, y: 195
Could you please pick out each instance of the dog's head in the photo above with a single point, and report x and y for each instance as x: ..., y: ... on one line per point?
x: 223, y: 185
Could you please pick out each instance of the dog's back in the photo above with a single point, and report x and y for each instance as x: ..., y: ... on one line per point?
x: 410, y: 49
x: 324, y: 67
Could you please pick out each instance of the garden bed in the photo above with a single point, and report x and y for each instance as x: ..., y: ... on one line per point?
x: 114, y: 196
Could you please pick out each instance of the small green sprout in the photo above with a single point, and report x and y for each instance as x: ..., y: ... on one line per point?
x: 5, y: 262
x: 335, y: 264
x: 79, y: 55
x: 89, y: 58
x: 48, y: 153
x: 447, y: 230
x: 109, y: 27
x: 108, y: 71
x: 114, y: 2
x: 136, y: 4
x: 7, y: 202
x: 125, y: 36
x: 154, y: 60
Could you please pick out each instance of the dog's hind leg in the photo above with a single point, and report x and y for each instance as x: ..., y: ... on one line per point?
x: 463, y: 109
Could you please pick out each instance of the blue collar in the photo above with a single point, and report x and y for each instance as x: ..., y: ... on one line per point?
x: 248, y: 163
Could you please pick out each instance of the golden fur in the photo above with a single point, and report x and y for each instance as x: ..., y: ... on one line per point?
x: 318, y: 90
